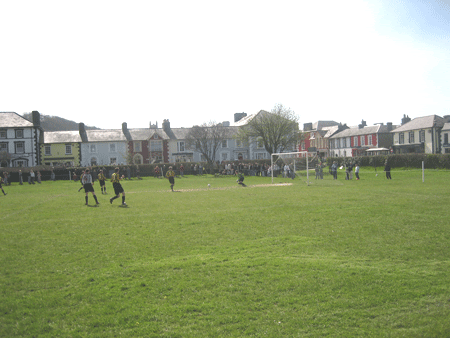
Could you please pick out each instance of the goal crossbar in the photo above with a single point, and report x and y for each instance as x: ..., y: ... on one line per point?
x: 297, y: 154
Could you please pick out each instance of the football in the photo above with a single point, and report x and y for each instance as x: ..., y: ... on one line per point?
x: 209, y: 185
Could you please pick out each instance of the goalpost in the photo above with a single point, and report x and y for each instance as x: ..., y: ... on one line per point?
x: 294, y: 162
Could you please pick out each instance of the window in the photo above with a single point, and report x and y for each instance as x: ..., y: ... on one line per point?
x: 48, y: 150
x: 401, y: 138
x: 260, y: 156
x: 355, y: 141
x: 156, y: 146
x: 68, y: 149
x: 411, y: 137
x: 260, y: 143
x: 92, y: 148
x: 137, y: 159
x: 112, y: 147
x: 446, y: 138
x: 422, y: 136
x: 181, y: 146
x: 369, y: 140
x: 3, y: 146
x: 19, y: 147
x: 303, y: 146
x: 224, y: 144
x: 224, y: 156
x: 113, y: 160
x: 238, y: 143
x: 137, y: 146
x: 93, y: 161
x: 362, y: 139
x: 19, y: 133
x: 344, y: 142
x: 3, y: 133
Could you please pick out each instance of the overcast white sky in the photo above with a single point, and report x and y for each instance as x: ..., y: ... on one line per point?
x: 108, y: 62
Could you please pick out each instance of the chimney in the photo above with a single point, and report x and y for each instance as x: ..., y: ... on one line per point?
x: 82, y: 130
x: 239, y: 116
x: 226, y: 123
x: 307, y: 126
x: 446, y: 118
x: 362, y: 125
x: 36, y: 118
x: 166, y: 126
x: 405, y: 119
x: 125, y: 131
x: 389, y: 126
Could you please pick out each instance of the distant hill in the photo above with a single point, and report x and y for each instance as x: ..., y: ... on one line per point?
x: 55, y: 123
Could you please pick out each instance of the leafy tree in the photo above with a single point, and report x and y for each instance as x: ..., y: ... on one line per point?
x: 278, y: 129
x: 207, y: 139
x: 5, y: 157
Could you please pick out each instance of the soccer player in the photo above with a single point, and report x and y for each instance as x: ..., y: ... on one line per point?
x: 1, y: 181
x: 240, y: 179
x: 102, y: 179
x: 86, y: 180
x: 115, y: 179
x: 170, y: 174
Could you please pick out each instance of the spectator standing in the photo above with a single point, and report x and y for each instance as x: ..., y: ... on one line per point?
x: 334, y: 168
x: 357, y: 171
x: 32, y: 176
x: 387, y: 169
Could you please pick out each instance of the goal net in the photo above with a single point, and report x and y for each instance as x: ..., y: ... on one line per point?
x: 292, y: 165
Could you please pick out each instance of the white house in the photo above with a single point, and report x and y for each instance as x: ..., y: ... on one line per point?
x: 102, y: 147
x: 19, y: 140
x: 420, y: 135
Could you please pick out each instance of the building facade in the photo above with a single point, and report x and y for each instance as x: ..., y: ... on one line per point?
x: 420, y: 135
x: 20, y: 140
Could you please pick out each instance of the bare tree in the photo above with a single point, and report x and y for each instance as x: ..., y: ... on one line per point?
x: 207, y: 139
x: 277, y: 129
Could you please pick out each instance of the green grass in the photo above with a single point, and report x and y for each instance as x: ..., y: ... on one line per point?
x: 366, y: 258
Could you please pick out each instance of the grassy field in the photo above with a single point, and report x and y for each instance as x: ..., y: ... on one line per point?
x: 367, y: 258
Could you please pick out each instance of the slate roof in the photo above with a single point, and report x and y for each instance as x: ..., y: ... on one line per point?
x: 431, y: 121
x: 446, y: 126
x: 105, y: 135
x: 12, y: 120
x: 319, y: 125
x: 248, y: 118
x: 376, y: 129
x: 62, y: 136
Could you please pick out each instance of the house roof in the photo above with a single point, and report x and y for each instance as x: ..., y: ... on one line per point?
x: 319, y: 125
x: 62, y: 136
x: 12, y: 120
x: 446, y: 126
x: 105, y: 135
x: 243, y: 121
x: 376, y: 129
x: 423, y: 122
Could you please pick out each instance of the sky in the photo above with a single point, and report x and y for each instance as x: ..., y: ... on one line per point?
x: 192, y: 62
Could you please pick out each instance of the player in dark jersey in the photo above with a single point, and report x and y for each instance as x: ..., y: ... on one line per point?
x: 1, y: 187
x: 240, y: 179
x: 115, y: 179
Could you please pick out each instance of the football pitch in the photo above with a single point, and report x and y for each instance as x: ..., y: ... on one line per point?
x: 367, y: 258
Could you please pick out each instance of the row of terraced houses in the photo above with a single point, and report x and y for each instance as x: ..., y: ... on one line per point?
x: 24, y: 143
